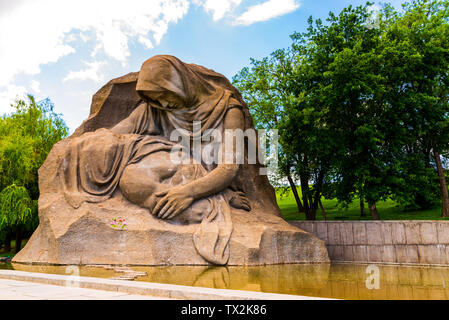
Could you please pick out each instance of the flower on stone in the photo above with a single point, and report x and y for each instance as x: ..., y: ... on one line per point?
x: 119, y: 223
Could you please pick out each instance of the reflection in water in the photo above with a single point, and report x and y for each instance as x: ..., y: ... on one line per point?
x: 278, y: 279
x: 341, y: 281
x: 5, y: 266
x: 217, y: 276
x: 84, y: 271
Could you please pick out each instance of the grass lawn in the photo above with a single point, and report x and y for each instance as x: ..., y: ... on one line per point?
x: 388, y: 210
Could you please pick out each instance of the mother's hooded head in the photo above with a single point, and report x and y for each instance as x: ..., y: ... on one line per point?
x: 168, y: 83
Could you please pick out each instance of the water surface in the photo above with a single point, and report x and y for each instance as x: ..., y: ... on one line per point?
x: 341, y: 281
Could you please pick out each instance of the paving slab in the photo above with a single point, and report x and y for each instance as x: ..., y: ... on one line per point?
x: 100, y: 288
x: 24, y: 290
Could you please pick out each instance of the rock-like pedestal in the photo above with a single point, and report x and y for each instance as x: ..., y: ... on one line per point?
x: 84, y: 235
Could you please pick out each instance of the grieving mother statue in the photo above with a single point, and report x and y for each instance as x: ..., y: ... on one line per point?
x: 134, y: 155
x: 183, y: 203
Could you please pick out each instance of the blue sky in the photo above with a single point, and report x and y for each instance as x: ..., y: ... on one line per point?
x: 66, y: 50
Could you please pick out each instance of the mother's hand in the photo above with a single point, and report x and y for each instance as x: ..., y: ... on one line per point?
x: 240, y: 201
x: 172, y: 202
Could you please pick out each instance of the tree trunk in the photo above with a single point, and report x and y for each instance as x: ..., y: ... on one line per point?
x: 322, y: 210
x: 362, y: 208
x: 18, y: 240
x: 295, y: 193
x: 443, y: 186
x: 316, y: 201
x: 8, y: 242
x: 308, y: 205
x: 373, y: 210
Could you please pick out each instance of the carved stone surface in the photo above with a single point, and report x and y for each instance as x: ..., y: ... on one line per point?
x: 110, y: 195
x: 403, y: 242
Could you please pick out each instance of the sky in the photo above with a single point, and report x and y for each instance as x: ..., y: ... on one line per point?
x: 67, y: 50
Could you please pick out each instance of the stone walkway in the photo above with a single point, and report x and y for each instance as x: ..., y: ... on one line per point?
x: 24, y: 290
x: 30, y: 285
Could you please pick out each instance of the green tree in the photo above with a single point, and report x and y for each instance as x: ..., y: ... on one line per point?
x: 27, y: 136
x: 17, y: 212
x: 415, y: 51
x: 266, y: 87
x: 361, y: 107
x: 341, y: 59
x: 317, y: 94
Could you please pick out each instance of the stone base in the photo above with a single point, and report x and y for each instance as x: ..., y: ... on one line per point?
x: 406, y: 242
x: 85, y: 236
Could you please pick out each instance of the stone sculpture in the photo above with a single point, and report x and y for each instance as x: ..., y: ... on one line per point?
x: 118, y: 166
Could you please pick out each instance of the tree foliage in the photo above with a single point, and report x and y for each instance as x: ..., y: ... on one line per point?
x: 27, y: 136
x: 361, y: 108
x: 17, y: 208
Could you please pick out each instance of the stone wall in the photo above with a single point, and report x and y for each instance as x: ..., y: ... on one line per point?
x: 403, y: 242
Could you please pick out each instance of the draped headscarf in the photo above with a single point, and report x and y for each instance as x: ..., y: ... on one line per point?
x: 202, y: 94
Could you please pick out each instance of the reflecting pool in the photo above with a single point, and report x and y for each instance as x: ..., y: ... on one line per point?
x: 341, y: 281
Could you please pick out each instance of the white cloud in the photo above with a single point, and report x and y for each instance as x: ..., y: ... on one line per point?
x: 374, y: 7
x: 266, y: 11
x: 219, y: 7
x: 90, y: 73
x: 84, y: 37
x: 35, y: 86
x: 35, y: 33
x: 9, y: 95
x: 146, y: 42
